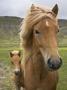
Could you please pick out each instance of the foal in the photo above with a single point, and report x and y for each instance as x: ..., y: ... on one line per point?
x: 18, y: 72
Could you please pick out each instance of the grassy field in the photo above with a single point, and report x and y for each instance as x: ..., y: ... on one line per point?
x: 9, y: 40
x: 5, y: 65
x: 63, y: 71
x: 7, y: 84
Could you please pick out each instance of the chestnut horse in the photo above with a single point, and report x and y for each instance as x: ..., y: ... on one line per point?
x: 41, y: 59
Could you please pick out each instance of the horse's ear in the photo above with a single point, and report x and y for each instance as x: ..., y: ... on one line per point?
x: 11, y: 54
x: 55, y: 10
x: 32, y: 7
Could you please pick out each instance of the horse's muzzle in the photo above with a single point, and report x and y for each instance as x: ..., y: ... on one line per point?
x: 54, y: 64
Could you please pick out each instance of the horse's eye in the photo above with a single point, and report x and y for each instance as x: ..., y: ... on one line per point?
x: 37, y: 32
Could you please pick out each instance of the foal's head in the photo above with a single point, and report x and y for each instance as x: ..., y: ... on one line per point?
x: 16, y: 61
x: 45, y: 32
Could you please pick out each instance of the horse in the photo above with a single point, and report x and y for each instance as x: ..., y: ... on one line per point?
x: 18, y: 72
x: 41, y: 59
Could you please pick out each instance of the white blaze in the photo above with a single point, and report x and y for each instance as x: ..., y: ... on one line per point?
x: 16, y: 70
x: 47, y: 23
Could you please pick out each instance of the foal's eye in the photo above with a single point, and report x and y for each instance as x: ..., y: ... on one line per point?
x: 11, y: 62
x: 19, y: 62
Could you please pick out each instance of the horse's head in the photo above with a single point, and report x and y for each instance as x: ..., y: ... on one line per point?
x: 16, y: 61
x: 45, y: 34
x: 41, y: 26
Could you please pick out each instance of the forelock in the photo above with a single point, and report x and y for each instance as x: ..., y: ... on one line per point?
x: 15, y: 52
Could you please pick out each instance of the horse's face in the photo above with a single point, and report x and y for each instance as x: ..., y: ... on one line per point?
x: 15, y: 60
x: 45, y: 36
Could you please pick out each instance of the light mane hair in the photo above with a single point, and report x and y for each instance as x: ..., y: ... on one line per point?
x: 15, y: 52
x: 35, y: 14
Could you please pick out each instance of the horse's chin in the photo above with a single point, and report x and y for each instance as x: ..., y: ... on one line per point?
x: 51, y: 70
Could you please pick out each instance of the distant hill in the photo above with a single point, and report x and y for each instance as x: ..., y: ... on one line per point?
x: 9, y: 27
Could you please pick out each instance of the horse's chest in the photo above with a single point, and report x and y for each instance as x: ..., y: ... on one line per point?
x: 32, y: 73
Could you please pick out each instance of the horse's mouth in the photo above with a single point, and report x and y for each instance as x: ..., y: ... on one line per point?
x: 54, y: 68
x: 52, y: 65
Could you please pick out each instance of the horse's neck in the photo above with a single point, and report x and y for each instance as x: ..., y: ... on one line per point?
x: 35, y: 55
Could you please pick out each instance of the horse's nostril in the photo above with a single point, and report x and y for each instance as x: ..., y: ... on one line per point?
x: 54, y: 64
x: 50, y: 65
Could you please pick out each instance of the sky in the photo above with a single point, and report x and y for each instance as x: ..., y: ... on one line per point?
x: 19, y: 7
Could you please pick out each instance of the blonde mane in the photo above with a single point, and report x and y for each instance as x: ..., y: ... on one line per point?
x: 34, y: 15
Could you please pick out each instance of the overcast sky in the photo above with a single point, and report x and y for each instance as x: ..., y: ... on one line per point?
x: 19, y: 7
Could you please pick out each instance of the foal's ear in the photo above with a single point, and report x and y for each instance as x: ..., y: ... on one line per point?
x: 55, y: 10
x: 11, y: 54
x: 19, y: 53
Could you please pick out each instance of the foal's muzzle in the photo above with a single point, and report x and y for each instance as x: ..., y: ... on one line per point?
x: 17, y: 72
x: 54, y: 64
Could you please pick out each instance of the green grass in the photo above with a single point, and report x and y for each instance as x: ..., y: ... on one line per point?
x: 4, y: 56
x: 63, y: 71
x: 9, y: 40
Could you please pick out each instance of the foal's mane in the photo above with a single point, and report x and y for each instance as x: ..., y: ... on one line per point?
x: 34, y: 15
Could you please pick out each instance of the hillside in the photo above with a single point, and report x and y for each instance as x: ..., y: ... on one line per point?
x: 9, y: 29
x: 9, y: 26
x: 63, y: 26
